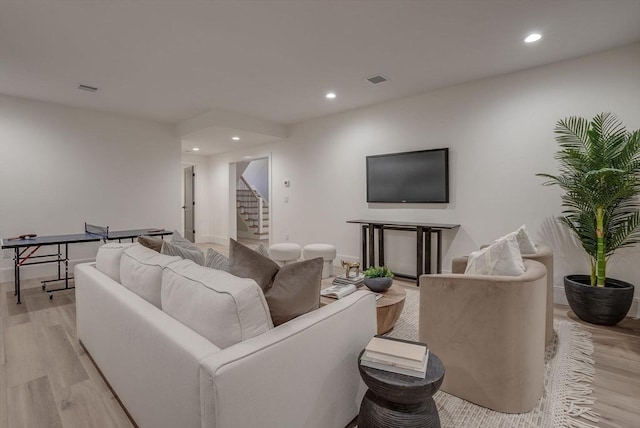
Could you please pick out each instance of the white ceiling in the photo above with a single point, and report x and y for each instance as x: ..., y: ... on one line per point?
x: 274, y: 60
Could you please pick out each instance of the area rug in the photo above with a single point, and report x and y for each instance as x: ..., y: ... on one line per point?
x: 567, y: 397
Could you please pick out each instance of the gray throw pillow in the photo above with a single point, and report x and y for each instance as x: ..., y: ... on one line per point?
x: 149, y: 242
x: 246, y: 263
x: 171, y: 249
x: 290, y: 291
x: 215, y: 260
x: 181, y: 241
x: 295, y: 290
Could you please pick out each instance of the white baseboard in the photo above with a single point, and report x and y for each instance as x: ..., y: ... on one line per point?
x: 39, y: 271
x: 219, y: 240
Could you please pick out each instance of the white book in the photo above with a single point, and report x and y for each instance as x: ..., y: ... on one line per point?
x: 395, y: 361
x: 422, y: 373
x: 409, y: 351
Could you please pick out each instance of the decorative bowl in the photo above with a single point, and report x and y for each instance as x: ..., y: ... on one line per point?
x: 379, y: 284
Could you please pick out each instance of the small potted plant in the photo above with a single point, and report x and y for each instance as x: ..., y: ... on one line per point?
x: 600, y: 174
x: 378, y: 278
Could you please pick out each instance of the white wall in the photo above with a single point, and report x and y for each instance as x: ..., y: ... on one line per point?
x: 62, y: 166
x: 500, y: 134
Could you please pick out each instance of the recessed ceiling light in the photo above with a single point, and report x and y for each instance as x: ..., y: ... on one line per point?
x: 235, y: 138
x: 533, y: 37
x: 195, y: 149
x: 331, y: 95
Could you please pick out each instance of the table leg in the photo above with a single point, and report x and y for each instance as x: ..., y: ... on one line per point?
x: 427, y: 256
x: 439, y: 249
x: 364, y: 247
x: 381, y: 246
x: 419, y: 253
x: 372, y: 244
x: 16, y: 279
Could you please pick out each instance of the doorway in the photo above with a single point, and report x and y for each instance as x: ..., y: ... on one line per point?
x: 251, y: 201
x: 189, y: 204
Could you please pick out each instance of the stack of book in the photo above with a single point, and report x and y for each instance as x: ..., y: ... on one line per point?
x: 396, y: 356
x: 351, y: 280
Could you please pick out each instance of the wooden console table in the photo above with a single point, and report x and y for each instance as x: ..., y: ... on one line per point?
x: 424, y: 233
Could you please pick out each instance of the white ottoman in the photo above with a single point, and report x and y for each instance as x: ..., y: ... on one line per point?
x: 326, y: 251
x: 284, y: 253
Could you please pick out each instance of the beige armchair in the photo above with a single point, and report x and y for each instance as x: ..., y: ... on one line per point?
x: 544, y: 256
x: 489, y: 332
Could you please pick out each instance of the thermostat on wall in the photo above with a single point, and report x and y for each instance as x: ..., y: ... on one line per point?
x: 287, y: 183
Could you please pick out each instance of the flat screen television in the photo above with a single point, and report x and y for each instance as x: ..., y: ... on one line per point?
x: 410, y: 177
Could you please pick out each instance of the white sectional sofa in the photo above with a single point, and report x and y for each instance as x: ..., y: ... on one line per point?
x: 300, y: 374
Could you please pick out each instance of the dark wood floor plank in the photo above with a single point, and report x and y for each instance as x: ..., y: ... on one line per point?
x: 31, y: 405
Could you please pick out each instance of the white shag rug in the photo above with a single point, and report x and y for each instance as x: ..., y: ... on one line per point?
x: 566, y: 401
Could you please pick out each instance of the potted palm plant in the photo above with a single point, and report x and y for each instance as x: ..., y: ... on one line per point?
x: 600, y: 174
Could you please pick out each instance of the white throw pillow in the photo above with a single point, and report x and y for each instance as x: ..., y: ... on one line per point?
x: 500, y: 258
x: 219, y: 306
x: 525, y: 243
x: 108, y: 259
x: 141, y: 272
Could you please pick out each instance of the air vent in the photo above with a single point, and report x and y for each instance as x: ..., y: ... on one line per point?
x: 378, y: 78
x: 87, y: 88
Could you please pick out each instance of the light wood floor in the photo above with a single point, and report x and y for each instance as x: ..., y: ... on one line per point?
x: 47, y: 380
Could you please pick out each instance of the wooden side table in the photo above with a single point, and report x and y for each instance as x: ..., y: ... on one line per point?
x: 399, y: 401
x: 388, y: 307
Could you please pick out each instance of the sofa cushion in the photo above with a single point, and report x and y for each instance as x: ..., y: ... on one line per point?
x: 108, y: 259
x: 500, y: 258
x: 246, y: 263
x: 295, y: 290
x: 219, y: 306
x: 141, y: 272
x: 150, y: 242
x: 194, y: 254
x: 291, y: 290
x: 215, y: 260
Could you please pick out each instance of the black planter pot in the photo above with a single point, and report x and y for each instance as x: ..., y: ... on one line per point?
x: 606, y: 305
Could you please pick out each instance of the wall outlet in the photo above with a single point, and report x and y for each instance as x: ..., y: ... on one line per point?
x: 286, y: 236
x: 286, y: 199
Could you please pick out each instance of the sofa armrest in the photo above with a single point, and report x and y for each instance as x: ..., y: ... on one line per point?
x: 303, y: 373
x: 150, y: 360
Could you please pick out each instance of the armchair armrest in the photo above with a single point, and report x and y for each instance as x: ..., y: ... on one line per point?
x: 303, y: 373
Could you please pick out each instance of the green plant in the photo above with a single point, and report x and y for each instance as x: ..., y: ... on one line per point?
x: 378, y: 272
x: 600, y: 174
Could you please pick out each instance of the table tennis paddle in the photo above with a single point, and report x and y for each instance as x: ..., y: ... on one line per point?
x: 25, y: 236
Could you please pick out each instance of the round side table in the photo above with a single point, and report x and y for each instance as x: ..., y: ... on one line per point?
x: 396, y: 400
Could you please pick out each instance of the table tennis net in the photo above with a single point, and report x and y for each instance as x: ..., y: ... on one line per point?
x: 102, y: 231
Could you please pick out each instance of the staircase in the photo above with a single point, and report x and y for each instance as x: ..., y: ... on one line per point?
x: 253, y: 210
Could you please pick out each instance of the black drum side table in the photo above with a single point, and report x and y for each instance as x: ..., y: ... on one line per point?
x: 396, y: 400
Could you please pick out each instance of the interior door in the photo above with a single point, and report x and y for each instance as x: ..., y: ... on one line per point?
x: 189, y: 204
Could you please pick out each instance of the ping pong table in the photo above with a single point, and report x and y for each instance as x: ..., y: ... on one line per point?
x: 26, y: 246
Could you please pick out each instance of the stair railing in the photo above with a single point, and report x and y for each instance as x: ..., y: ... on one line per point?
x: 260, y: 202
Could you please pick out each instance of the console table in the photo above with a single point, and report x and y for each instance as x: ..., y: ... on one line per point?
x: 424, y: 233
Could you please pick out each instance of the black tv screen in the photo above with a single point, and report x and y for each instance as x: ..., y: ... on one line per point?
x: 410, y: 177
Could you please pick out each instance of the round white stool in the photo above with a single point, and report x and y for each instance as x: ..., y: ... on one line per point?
x: 326, y: 251
x: 284, y: 253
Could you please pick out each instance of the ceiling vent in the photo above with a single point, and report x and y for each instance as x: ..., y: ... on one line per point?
x: 87, y: 88
x: 378, y: 78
